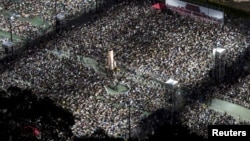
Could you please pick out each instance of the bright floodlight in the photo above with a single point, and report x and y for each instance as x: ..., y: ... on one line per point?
x: 219, y: 51
x: 12, y: 18
x: 172, y: 83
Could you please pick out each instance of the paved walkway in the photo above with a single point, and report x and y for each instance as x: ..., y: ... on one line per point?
x: 237, y: 111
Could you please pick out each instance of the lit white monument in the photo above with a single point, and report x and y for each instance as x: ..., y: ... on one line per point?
x: 111, y: 61
x: 171, y: 84
x: 171, y: 89
x: 219, y: 64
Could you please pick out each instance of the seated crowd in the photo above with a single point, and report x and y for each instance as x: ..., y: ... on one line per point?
x: 146, y: 43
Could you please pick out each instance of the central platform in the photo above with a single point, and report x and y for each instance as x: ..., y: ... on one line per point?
x: 117, y: 89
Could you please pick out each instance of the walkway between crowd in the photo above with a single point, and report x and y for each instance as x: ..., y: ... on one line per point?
x: 238, y: 112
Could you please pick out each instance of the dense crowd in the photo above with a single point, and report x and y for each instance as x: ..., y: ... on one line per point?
x: 19, y: 14
x: 238, y: 93
x: 145, y: 42
x: 198, y: 116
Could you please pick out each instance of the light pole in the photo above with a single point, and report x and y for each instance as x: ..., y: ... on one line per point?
x: 219, y: 64
x: 171, y: 87
x: 96, y: 5
x: 55, y: 19
x: 130, y: 102
x: 10, y: 19
x: 30, y: 34
x: 10, y: 22
x: 64, y: 6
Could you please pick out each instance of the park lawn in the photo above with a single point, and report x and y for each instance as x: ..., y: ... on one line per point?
x: 118, y: 89
x: 36, y: 21
x: 5, y: 34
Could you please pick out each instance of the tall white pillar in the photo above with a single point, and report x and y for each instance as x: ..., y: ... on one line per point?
x: 219, y: 64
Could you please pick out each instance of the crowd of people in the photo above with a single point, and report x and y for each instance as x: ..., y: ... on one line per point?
x: 145, y: 42
x: 237, y: 93
x: 18, y: 13
x: 198, y: 116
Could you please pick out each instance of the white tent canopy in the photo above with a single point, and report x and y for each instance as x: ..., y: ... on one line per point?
x: 7, y: 44
x: 171, y: 83
x: 60, y: 16
x: 219, y: 50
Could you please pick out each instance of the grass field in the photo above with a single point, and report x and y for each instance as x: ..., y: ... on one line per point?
x: 4, y: 34
x: 36, y: 21
x: 118, y: 89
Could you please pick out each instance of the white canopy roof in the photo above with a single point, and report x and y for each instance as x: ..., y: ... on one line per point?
x: 60, y: 16
x: 171, y: 83
x: 7, y: 44
x: 219, y: 51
